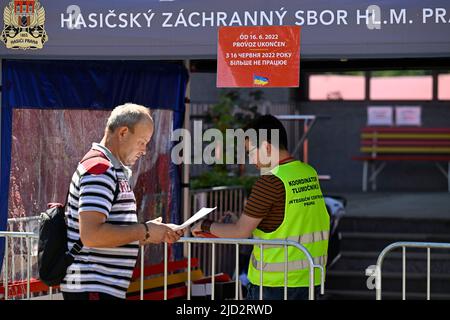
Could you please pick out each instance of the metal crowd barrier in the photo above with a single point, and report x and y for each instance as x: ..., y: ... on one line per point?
x: 404, y: 245
x: 17, y: 246
x: 228, y: 198
x: 28, y: 236
x: 237, y: 243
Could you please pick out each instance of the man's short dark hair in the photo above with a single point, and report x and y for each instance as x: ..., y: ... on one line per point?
x: 269, y: 122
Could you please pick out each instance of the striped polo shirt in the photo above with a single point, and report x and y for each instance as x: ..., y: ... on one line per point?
x: 106, y: 270
x: 267, y: 202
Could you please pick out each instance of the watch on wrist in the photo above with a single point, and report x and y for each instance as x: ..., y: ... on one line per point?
x: 147, y: 231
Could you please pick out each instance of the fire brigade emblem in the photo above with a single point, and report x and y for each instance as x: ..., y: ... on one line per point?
x: 24, y: 25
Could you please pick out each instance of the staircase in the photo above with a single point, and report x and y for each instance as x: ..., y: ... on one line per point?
x: 363, y: 239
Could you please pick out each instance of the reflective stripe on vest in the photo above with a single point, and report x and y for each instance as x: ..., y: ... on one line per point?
x: 291, y: 265
x: 303, y: 239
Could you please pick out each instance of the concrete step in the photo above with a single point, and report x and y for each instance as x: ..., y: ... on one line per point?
x: 363, y: 239
x: 391, y: 282
x: 416, y: 261
x: 368, y: 241
x: 394, y: 225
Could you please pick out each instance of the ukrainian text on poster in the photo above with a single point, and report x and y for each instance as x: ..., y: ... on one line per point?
x: 258, y: 56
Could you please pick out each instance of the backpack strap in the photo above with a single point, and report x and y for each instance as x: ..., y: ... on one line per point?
x: 78, y: 245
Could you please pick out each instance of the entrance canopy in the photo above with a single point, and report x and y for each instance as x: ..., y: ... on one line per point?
x: 51, y: 113
x: 187, y: 29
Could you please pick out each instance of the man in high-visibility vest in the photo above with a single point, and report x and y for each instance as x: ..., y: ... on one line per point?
x: 286, y: 203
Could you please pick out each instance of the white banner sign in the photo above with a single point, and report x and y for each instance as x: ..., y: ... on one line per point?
x: 408, y: 116
x: 380, y: 116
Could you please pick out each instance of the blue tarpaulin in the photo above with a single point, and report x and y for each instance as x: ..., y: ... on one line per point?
x: 92, y: 85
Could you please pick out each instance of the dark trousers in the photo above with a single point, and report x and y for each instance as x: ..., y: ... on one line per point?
x: 277, y: 293
x: 88, y: 296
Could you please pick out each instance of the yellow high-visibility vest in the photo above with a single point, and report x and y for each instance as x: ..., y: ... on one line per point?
x: 306, y: 221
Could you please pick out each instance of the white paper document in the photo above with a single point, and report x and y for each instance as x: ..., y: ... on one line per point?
x: 199, y: 215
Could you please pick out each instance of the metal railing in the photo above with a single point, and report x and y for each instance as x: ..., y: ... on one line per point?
x: 221, y: 255
x: 188, y: 241
x: 237, y: 243
x: 17, y: 246
x: 228, y: 198
x: 403, y: 246
x: 28, y: 236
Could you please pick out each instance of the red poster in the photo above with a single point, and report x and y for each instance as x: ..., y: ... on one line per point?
x: 258, y: 57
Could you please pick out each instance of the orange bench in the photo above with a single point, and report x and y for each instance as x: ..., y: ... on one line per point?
x: 380, y: 145
x: 154, y: 286
x: 19, y: 288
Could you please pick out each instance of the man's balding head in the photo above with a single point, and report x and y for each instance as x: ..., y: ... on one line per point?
x: 128, y: 115
x: 128, y: 132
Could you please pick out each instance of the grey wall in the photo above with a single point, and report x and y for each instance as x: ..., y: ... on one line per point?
x: 333, y: 142
x: 203, y: 89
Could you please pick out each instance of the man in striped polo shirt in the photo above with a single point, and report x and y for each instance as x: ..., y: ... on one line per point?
x: 101, y: 210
